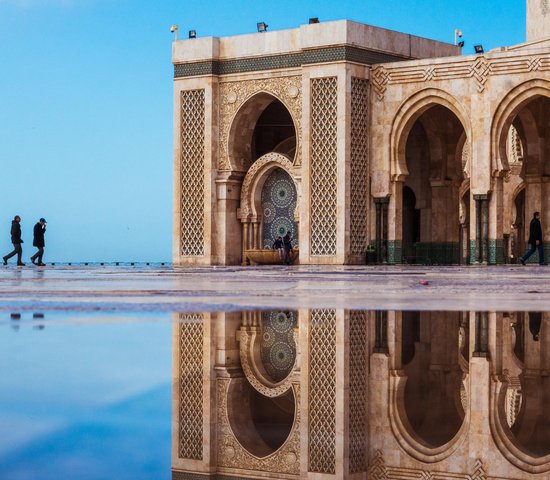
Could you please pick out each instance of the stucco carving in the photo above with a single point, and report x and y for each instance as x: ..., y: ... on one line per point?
x: 253, y: 175
x: 479, y: 70
x: 379, y: 471
x: 231, y: 453
x: 233, y: 95
x: 251, y: 371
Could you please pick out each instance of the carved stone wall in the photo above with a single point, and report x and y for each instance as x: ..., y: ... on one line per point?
x: 358, y: 353
x: 323, y: 169
x: 191, y: 333
x: 231, y: 453
x: 359, y: 165
x: 322, y: 391
x: 233, y: 95
x: 192, y: 172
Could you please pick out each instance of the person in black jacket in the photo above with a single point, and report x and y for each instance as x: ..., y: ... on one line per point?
x: 16, y: 240
x: 535, y: 240
x: 287, y: 244
x: 38, y: 242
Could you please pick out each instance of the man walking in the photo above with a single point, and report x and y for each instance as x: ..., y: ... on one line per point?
x: 16, y: 240
x: 535, y: 241
x: 38, y: 242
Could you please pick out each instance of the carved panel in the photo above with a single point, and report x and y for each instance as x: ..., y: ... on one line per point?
x: 479, y: 70
x: 191, y: 386
x: 233, y: 95
x: 359, y: 165
x: 192, y: 172
x: 322, y: 391
x: 323, y: 169
x: 231, y: 454
x: 379, y: 471
x: 358, y: 352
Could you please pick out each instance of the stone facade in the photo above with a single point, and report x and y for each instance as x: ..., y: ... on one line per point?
x: 395, y: 144
x: 340, y: 394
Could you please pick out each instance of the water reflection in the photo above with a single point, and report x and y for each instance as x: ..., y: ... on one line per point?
x: 362, y: 394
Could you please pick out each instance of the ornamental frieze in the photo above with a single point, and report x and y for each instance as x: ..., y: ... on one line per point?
x: 478, y: 70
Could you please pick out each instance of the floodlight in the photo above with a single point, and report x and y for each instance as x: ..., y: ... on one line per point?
x: 192, y: 34
x: 313, y: 20
x: 479, y: 48
x: 262, y: 27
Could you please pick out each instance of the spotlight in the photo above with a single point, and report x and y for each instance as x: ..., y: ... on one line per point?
x: 192, y: 34
x: 461, y: 44
x: 174, y: 30
x: 262, y: 27
x: 313, y: 20
x: 479, y: 48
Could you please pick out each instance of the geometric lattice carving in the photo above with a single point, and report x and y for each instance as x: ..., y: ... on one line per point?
x: 359, y: 165
x: 323, y: 169
x: 322, y: 391
x: 357, y: 391
x: 190, y: 386
x: 192, y: 173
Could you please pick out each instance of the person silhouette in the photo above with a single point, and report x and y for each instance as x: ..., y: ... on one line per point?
x: 38, y: 242
x: 16, y: 240
x: 535, y: 241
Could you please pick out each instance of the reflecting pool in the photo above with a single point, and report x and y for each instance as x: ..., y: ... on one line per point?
x: 307, y: 393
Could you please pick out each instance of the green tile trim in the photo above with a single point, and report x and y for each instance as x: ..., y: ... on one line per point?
x: 395, y: 252
x: 473, y: 251
x: 496, y: 252
x: 286, y: 60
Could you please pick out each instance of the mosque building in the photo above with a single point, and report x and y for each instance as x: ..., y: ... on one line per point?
x: 366, y: 144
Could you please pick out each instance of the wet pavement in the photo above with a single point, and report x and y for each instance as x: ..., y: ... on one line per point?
x: 157, y: 288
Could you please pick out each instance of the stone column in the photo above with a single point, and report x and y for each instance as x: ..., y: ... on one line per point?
x: 481, y: 348
x: 255, y: 235
x: 482, y: 228
x: 381, y: 332
x: 381, y: 229
x: 245, y: 241
x: 496, y: 225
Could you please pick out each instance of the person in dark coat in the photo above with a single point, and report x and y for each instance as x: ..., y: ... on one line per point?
x: 38, y: 242
x: 278, y: 245
x: 16, y: 240
x: 535, y: 241
x: 287, y: 244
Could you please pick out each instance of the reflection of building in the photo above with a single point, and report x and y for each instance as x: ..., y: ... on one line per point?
x: 320, y: 394
x: 382, y: 138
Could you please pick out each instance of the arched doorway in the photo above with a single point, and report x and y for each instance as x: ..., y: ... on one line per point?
x: 263, y: 128
x: 433, y: 153
x: 521, y: 136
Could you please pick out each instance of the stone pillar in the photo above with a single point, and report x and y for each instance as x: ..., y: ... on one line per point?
x: 255, y: 235
x: 496, y: 223
x: 381, y: 332
x: 381, y: 229
x: 481, y: 330
x: 245, y: 241
x: 227, y: 232
x: 482, y: 228
x: 394, y: 223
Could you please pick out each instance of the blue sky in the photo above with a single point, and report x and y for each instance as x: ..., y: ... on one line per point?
x: 86, y: 104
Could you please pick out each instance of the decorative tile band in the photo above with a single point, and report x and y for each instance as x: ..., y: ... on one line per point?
x: 287, y: 60
x: 395, y: 252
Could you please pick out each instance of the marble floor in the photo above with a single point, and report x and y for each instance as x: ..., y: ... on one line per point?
x: 152, y: 288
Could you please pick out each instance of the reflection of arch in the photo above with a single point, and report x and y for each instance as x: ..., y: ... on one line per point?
x: 504, y: 438
x: 517, y: 98
x: 252, y: 363
x: 243, y: 124
x: 408, y: 112
x: 253, y: 182
x: 264, y: 427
